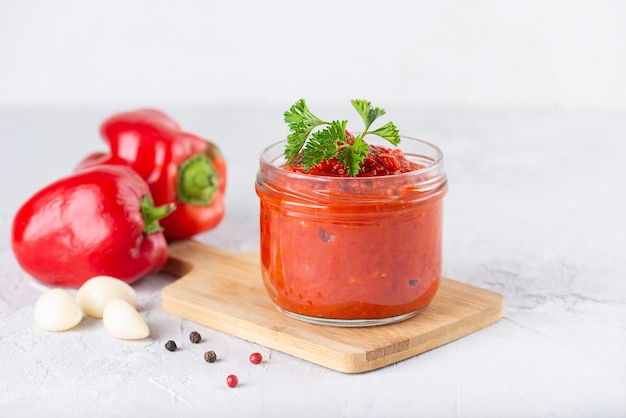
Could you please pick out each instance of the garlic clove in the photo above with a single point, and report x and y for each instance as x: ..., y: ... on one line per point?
x: 94, y: 294
x: 57, y: 310
x: 122, y: 321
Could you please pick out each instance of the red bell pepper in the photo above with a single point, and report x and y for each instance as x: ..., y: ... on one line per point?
x: 179, y: 167
x: 100, y: 221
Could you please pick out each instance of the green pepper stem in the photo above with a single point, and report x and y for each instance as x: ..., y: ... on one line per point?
x: 198, y: 180
x: 151, y: 214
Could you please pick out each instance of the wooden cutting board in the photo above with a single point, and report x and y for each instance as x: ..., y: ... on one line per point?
x: 224, y: 290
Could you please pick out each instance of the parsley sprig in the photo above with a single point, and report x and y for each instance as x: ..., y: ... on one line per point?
x: 325, y: 144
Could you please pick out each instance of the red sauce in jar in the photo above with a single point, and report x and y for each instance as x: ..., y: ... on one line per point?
x: 381, y: 161
x: 350, y: 248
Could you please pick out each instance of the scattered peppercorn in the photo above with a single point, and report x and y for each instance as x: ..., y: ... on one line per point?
x: 170, y: 345
x: 232, y: 380
x: 256, y: 358
x: 195, y: 337
x: 210, y: 356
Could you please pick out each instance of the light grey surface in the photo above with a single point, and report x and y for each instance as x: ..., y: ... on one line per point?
x: 536, y: 210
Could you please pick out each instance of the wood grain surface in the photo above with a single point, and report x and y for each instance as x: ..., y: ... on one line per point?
x: 224, y: 290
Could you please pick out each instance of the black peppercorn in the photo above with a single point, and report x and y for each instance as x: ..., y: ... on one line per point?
x: 210, y: 357
x: 170, y: 345
x: 195, y: 337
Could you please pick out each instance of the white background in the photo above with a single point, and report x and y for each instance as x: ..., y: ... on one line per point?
x: 449, y: 53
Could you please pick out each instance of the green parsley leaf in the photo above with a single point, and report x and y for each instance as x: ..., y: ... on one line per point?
x: 351, y: 156
x: 323, y: 145
x: 331, y: 141
x: 388, y: 131
x: 367, y: 112
x: 301, y: 122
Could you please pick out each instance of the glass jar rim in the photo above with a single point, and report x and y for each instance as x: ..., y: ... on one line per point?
x: 433, y: 164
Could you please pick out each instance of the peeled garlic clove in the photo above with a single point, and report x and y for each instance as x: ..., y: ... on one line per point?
x: 94, y: 294
x: 57, y: 310
x: 122, y: 321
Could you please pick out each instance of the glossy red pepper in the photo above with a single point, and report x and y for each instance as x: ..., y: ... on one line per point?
x: 178, y: 166
x: 100, y: 221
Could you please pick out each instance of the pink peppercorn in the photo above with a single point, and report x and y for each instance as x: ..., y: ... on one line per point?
x: 256, y: 358
x: 232, y: 380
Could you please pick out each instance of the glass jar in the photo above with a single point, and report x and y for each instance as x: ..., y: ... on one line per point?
x: 352, y: 251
